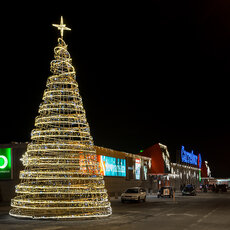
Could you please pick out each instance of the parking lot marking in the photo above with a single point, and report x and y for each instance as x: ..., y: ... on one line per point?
x: 208, y: 214
x: 181, y: 214
x: 162, y: 213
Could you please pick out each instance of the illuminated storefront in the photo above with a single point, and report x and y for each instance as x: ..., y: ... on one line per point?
x: 121, y: 170
x: 188, y: 167
x: 186, y: 170
x: 151, y: 169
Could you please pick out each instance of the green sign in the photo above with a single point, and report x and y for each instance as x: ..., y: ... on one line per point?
x: 5, y: 163
x: 200, y: 175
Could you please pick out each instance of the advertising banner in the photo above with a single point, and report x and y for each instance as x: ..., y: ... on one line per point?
x: 111, y: 166
x: 138, y: 169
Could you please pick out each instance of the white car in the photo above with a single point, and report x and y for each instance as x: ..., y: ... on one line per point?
x: 135, y: 193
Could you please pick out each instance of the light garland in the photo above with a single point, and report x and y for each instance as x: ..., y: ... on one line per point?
x: 61, y: 179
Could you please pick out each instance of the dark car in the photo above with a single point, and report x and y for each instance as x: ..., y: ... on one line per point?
x: 166, y: 191
x: 221, y: 188
x: 189, y: 191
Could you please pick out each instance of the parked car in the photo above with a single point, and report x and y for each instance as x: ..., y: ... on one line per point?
x: 189, y: 191
x: 221, y: 188
x: 134, y: 194
x: 166, y: 191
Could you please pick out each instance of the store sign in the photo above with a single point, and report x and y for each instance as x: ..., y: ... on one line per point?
x: 199, y: 161
x: 111, y: 166
x: 188, y: 157
x: 5, y: 163
x: 138, y: 169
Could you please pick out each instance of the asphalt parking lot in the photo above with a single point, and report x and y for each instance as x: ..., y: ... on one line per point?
x: 209, y: 211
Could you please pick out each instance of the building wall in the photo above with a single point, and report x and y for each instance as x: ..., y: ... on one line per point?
x: 183, y: 175
x: 164, y: 173
x: 115, y: 185
x: 204, y: 170
x: 157, y: 163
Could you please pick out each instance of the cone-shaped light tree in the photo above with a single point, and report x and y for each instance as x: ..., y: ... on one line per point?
x: 61, y: 179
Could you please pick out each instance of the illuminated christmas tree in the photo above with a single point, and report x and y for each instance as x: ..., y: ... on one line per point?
x: 61, y: 179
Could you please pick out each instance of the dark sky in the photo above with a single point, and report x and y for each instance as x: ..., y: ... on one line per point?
x: 148, y: 72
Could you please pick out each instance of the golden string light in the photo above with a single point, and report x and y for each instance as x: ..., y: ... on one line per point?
x: 61, y: 26
x: 61, y: 179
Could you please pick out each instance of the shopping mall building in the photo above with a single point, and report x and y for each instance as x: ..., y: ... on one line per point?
x: 121, y: 170
x: 187, y: 169
x: 151, y: 169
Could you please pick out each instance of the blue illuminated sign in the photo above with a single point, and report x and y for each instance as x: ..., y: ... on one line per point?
x: 188, y: 157
x: 111, y: 166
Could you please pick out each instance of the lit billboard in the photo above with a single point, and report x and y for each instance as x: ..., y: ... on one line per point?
x: 138, y: 169
x: 5, y: 163
x: 111, y: 166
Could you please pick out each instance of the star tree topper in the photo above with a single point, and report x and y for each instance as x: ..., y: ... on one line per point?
x: 61, y: 27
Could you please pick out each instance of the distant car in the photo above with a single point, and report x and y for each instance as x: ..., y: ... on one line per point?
x: 189, y: 191
x: 134, y: 194
x: 166, y: 191
x: 221, y: 188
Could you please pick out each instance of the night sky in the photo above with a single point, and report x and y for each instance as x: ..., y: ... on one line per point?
x: 148, y: 72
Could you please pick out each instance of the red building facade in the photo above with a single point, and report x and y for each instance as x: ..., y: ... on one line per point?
x: 157, y: 163
x: 163, y: 172
x: 160, y: 170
